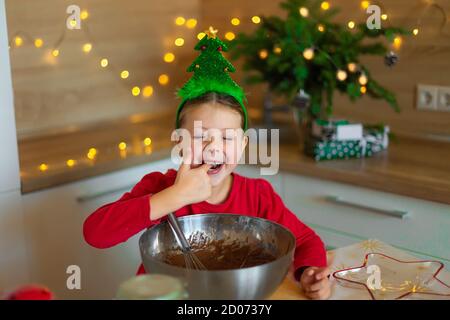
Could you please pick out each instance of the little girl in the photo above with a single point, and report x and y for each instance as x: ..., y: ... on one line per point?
x: 205, y: 181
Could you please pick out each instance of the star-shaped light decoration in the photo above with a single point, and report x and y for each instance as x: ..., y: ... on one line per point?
x: 398, y: 279
x: 211, y: 32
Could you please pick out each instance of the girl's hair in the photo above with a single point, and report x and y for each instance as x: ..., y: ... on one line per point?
x: 213, y: 97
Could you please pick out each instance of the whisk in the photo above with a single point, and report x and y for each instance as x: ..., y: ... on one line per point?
x: 190, y: 259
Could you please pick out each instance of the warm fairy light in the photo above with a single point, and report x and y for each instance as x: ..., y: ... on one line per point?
x: 73, y: 23
x: 135, y: 91
x: 363, y: 89
x: 365, y: 4
x: 18, y: 41
x: 321, y: 27
x: 352, y: 67
x: 124, y: 74
x: 147, y: 141
x: 179, y: 42
x: 163, y: 79
x: 325, y: 5
x: 43, y: 167
x: 256, y: 19
x: 277, y: 50
x: 147, y: 91
x: 104, y: 62
x: 304, y: 12
x: 169, y: 57
x: 351, y: 24
x: 87, y: 47
x: 84, y: 15
x: 341, y: 75
x: 235, y: 21
x: 191, y: 23
x: 55, y: 53
x: 179, y: 21
x: 200, y: 35
x: 415, y: 32
x: 308, y: 54
x: 91, y: 153
x: 38, y: 42
x: 363, y: 79
x: 398, y: 42
x: 384, y: 16
x: 229, y: 36
x: 263, y: 54
x: 122, y: 146
x: 70, y: 163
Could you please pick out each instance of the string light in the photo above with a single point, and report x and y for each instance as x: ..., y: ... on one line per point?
x: 179, y: 42
x: 363, y: 79
x: 70, y: 163
x: 415, y: 31
x: 135, y: 91
x: 179, y: 21
x: 163, y: 79
x: 263, y: 54
x: 122, y: 146
x: 365, y: 4
x: 147, y: 141
x: 325, y: 5
x: 18, y: 41
x: 147, y: 91
x: 308, y: 54
x: 92, y: 153
x: 38, y: 43
x: 55, y: 53
x: 277, y: 50
x: 235, y: 21
x: 352, y: 67
x: 169, y: 57
x: 398, y: 42
x: 321, y: 27
x: 87, y: 47
x: 363, y: 89
x: 230, y: 36
x: 191, y: 23
x: 304, y: 12
x: 84, y: 15
x: 73, y: 23
x: 124, y: 74
x: 200, y: 35
x: 384, y: 16
x: 104, y: 63
x: 43, y: 167
x: 351, y: 24
x: 256, y: 19
x: 341, y: 75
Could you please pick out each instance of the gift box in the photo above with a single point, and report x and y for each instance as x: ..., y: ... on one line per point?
x: 374, y: 139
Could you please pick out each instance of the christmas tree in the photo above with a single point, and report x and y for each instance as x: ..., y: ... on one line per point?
x: 211, y: 73
x: 308, y: 51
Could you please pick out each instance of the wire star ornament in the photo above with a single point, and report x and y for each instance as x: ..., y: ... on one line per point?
x: 398, y: 279
x: 211, y: 32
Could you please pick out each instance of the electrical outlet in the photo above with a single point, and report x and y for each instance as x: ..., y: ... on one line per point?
x: 443, y: 99
x: 426, y: 97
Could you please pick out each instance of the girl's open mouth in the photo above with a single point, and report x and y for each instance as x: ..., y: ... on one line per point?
x: 215, y: 167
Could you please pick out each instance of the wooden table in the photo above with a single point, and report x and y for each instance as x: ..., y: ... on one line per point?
x: 353, y: 256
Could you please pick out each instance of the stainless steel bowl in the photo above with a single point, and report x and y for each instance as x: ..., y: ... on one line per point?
x: 256, y: 282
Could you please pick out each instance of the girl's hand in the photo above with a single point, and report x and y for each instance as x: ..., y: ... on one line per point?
x: 192, y: 185
x: 315, y: 283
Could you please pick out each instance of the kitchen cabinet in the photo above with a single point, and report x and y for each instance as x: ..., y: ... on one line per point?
x: 54, y: 227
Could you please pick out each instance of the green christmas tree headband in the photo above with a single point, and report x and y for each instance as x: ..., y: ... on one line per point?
x: 211, y: 74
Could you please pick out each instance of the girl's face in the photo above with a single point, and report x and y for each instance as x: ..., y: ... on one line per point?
x: 217, y: 138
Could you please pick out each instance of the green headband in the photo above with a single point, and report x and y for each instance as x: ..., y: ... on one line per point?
x: 211, y: 74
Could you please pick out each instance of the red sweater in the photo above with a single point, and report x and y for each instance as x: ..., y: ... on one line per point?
x: 116, y: 222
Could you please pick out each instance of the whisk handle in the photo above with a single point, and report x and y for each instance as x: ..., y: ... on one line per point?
x: 180, y: 235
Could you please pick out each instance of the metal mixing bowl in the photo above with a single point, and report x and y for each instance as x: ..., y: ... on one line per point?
x: 256, y: 282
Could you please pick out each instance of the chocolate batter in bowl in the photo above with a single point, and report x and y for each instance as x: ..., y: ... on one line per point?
x: 245, y: 257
